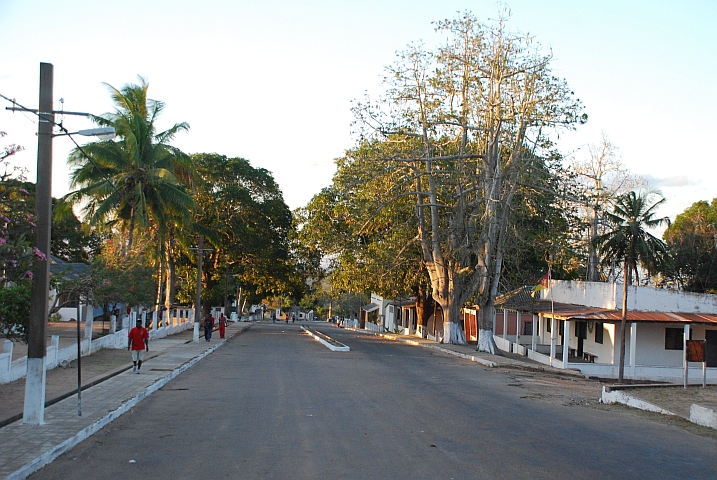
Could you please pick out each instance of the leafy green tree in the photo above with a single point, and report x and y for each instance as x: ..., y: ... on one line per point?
x: 71, y: 241
x: 247, y: 225
x: 692, y: 241
x: 16, y: 254
x: 629, y: 242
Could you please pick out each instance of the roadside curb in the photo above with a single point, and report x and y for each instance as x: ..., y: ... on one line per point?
x: 327, y: 342
x: 483, y: 361
x: 49, y: 456
x: 699, y: 415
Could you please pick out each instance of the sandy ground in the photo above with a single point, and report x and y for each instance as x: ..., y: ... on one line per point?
x: 679, y: 399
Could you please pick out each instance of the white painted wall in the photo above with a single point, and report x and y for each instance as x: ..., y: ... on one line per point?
x: 647, y: 299
x: 651, y: 346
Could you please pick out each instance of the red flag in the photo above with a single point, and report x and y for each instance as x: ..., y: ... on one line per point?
x: 543, y: 283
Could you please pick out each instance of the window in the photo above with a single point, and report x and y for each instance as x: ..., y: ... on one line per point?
x: 599, y: 331
x: 674, y: 338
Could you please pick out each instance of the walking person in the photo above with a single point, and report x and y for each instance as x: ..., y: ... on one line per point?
x: 208, y: 326
x: 293, y: 317
x: 273, y: 316
x: 139, y: 343
x: 222, y: 325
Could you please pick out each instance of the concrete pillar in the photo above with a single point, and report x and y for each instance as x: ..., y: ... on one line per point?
x: 566, y: 341
x: 517, y: 328
x: 553, y: 338
x: 505, y: 324
x: 534, y: 340
x: 633, y: 345
x: 685, y: 363
x: 87, y: 315
x: 143, y: 317
x: 154, y: 320
x: 6, y: 356
x: 615, y: 344
x: 113, y: 323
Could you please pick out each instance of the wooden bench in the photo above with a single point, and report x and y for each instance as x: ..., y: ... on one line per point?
x: 589, y: 357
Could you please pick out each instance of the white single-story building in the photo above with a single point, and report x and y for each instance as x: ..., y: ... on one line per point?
x: 576, y: 325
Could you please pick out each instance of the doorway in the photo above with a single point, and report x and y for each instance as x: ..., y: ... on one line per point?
x: 711, y: 348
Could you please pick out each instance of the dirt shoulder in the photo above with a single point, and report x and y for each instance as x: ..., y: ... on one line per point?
x: 574, y: 391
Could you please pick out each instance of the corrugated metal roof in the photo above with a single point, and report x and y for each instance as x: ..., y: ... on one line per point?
x: 369, y: 307
x: 519, y: 300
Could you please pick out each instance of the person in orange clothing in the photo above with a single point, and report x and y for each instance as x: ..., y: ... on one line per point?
x: 139, y: 343
x: 222, y: 325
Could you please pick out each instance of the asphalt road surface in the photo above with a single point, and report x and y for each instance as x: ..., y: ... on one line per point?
x: 274, y: 403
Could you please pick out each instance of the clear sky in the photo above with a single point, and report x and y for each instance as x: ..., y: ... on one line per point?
x: 272, y: 81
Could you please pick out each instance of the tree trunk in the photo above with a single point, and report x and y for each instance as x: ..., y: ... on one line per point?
x: 592, y: 251
x: 160, y: 283
x: 424, y: 306
x: 623, y: 323
x: 486, y: 317
x: 171, y: 280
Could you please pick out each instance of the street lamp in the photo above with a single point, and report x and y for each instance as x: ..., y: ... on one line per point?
x: 102, y: 133
x: 34, y: 406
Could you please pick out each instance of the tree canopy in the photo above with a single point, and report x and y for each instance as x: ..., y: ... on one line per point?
x: 458, y: 131
x: 691, y: 243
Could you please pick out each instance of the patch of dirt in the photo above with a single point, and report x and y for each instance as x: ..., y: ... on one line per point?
x: 677, y: 399
x: 574, y: 391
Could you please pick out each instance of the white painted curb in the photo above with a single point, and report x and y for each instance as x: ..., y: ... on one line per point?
x: 342, y: 348
x: 86, y: 432
x: 617, y: 396
x: 703, y: 416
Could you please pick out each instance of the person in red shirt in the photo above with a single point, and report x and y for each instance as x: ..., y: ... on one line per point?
x: 138, y: 343
x: 222, y: 325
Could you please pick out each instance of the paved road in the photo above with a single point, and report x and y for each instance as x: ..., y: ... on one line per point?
x: 274, y: 403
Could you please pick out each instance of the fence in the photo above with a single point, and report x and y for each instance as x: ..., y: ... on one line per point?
x: 178, y: 321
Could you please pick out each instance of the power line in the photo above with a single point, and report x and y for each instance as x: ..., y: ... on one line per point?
x: 42, y: 116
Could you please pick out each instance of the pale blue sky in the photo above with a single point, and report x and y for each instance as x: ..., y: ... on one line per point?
x: 272, y: 81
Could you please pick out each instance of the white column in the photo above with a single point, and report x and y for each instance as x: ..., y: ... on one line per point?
x: 154, y: 320
x: 87, y: 314
x: 615, y: 343
x: 633, y: 346
x: 533, y: 341
x: 566, y: 342
x: 553, y: 338
x: 517, y: 328
x: 113, y: 323
x: 685, y: 364
x: 505, y: 324
x: 144, y: 318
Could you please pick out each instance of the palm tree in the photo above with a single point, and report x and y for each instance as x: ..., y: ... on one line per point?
x: 140, y: 179
x: 628, y: 240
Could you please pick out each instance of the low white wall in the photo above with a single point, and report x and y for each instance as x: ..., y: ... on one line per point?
x: 11, y: 371
x: 502, y: 343
x: 647, y: 299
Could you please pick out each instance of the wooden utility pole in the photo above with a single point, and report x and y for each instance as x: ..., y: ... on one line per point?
x: 34, y: 407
